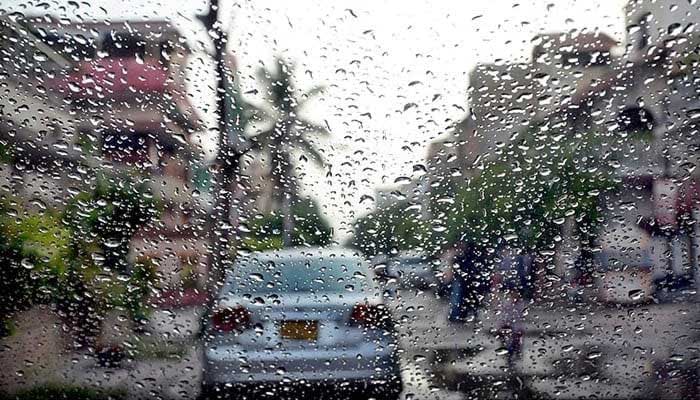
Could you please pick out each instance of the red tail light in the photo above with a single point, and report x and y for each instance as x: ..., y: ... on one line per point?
x: 371, y: 316
x: 231, y: 319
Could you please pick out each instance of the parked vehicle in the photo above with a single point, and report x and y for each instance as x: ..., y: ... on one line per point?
x: 412, y: 271
x: 624, y: 279
x: 301, y: 319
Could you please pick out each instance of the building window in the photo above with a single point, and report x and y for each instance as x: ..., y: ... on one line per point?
x: 121, y: 44
x: 585, y: 59
x: 636, y: 120
x: 127, y: 148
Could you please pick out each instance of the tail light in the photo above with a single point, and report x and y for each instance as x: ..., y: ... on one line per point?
x: 371, y: 316
x: 231, y: 319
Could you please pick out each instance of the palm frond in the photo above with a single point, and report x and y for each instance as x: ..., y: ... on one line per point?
x: 304, y: 126
x: 263, y: 140
x: 256, y: 113
x: 285, y: 71
x: 289, y: 132
x: 310, y: 149
x: 313, y: 92
x: 310, y: 94
x: 265, y: 76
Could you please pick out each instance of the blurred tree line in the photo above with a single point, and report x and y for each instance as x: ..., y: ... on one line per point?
x: 266, y: 231
x: 520, y: 196
x: 392, y: 229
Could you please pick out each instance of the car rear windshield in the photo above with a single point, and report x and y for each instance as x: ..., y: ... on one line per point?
x: 299, y: 275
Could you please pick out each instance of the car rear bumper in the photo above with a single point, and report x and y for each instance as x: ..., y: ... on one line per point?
x: 336, y: 389
x: 367, y: 363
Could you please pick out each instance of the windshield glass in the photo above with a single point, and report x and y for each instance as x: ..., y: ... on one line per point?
x: 388, y: 200
x: 299, y: 275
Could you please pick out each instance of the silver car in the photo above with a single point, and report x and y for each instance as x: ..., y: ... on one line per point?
x: 301, y: 320
x: 413, y: 271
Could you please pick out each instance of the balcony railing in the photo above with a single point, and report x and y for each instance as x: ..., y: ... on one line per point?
x: 113, y: 78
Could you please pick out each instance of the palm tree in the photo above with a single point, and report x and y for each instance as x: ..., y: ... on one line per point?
x: 284, y: 133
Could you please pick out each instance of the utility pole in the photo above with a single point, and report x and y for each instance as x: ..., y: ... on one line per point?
x: 227, y: 158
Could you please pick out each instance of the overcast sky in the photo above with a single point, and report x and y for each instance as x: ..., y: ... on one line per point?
x: 376, y: 57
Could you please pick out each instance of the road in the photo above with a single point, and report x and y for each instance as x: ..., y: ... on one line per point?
x: 569, y: 351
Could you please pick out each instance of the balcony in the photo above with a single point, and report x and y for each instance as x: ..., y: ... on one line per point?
x: 115, y: 78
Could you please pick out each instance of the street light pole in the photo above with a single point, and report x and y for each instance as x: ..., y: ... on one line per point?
x: 227, y: 157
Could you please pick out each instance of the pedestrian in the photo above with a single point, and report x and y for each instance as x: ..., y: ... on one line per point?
x: 466, y: 285
x: 511, y: 286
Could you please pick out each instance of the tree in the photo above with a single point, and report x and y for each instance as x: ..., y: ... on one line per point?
x: 387, y: 230
x: 107, y: 217
x: 285, y: 132
x: 310, y: 228
x: 520, y: 198
x: 230, y: 148
x: 102, y: 222
x: 532, y: 187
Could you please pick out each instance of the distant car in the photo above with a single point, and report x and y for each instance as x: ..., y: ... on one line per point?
x: 625, y: 280
x: 307, y: 319
x: 413, y: 271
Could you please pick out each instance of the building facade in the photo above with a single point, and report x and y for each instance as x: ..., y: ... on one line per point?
x: 110, y: 97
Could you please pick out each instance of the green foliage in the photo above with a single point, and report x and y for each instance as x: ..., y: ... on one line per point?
x: 145, y: 350
x: 522, y: 197
x: 86, y: 143
x: 310, y: 228
x: 33, y: 255
x: 108, y: 216
x: 77, y: 259
x: 139, y: 284
x: 16, y: 285
x: 253, y: 243
x: 201, y: 177
x: 395, y: 228
x: 103, y: 222
x: 45, y: 241
x: 6, y: 153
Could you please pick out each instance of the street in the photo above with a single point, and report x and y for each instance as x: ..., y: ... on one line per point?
x: 645, y: 351
x: 568, y: 352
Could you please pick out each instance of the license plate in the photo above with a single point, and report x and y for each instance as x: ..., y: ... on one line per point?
x: 299, y: 330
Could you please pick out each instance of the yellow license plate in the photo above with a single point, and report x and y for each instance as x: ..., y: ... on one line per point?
x: 299, y: 330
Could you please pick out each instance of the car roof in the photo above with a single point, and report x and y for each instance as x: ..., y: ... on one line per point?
x: 295, y: 253
x: 302, y: 252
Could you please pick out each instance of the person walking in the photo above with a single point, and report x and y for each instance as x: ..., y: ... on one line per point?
x: 466, y: 285
x: 512, y: 287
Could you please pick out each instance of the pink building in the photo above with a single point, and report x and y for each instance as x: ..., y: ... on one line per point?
x: 127, y: 85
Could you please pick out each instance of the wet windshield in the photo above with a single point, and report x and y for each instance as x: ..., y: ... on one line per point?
x: 314, y: 199
x: 299, y: 275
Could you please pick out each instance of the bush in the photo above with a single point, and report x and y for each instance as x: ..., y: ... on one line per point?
x: 77, y: 258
